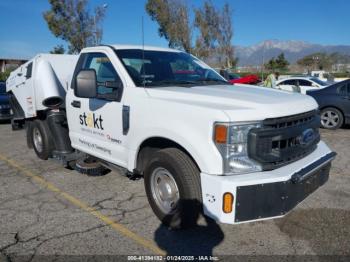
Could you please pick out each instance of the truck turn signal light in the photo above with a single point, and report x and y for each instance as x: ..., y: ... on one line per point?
x: 220, y: 134
x: 227, y: 203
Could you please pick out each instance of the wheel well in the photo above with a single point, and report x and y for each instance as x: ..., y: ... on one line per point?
x: 151, y: 145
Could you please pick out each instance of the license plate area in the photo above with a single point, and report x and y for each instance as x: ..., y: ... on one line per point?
x: 276, y: 199
x: 310, y: 184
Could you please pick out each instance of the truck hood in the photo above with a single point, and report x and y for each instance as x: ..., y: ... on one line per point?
x: 239, y: 102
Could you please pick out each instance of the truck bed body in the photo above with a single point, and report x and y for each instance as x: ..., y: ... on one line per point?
x: 43, y: 76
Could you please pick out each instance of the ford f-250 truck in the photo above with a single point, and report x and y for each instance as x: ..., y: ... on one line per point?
x: 238, y: 153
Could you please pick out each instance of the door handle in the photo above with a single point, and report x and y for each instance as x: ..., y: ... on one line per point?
x: 75, y: 103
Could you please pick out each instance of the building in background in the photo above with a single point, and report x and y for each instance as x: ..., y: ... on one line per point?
x: 341, y: 68
x: 10, y: 64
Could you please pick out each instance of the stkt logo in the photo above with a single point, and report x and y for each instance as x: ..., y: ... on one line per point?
x: 91, y: 120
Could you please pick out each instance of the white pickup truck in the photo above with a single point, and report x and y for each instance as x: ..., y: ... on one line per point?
x: 239, y: 153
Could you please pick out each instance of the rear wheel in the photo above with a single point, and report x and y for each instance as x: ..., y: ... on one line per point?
x: 172, y: 184
x: 41, y: 139
x: 16, y: 125
x: 331, y: 118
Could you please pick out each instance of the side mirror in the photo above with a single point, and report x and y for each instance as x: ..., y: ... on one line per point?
x: 86, y: 84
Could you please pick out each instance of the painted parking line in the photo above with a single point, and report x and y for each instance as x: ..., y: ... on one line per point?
x: 76, y: 202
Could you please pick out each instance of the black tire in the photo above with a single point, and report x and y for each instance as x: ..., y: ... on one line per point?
x: 187, y: 177
x: 15, y: 125
x: 71, y: 164
x: 39, y: 128
x: 331, y: 118
x: 90, y: 166
x: 29, y: 134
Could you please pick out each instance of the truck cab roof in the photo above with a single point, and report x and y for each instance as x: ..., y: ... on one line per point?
x: 136, y: 47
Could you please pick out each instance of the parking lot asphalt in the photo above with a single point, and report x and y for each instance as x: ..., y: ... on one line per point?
x: 47, y: 211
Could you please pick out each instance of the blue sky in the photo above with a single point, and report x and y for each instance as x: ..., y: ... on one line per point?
x: 23, y: 31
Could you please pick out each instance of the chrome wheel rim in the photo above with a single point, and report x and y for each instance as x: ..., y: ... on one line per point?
x: 329, y: 119
x: 37, y: 139
x: 164, y: 190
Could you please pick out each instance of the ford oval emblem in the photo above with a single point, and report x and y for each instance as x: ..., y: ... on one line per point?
x: 307, y: 136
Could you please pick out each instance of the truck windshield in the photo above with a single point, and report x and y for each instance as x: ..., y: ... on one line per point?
x: 166, y: 68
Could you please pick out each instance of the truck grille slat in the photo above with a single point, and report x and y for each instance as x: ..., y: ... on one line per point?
x: 284, y: 140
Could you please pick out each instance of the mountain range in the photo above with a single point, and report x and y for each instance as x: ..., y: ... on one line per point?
x: 293, y: 50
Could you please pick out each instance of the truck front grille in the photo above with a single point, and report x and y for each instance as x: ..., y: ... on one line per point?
x: 284, y: 140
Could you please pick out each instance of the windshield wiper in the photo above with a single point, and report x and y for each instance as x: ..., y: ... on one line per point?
x: 184, y: 83
x: 213, y: 81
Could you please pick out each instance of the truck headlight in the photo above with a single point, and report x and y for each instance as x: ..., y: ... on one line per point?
x: 232, y: 143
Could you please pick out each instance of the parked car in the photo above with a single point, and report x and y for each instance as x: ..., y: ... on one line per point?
x: 249, y: 79
x: 334, y: 103
x: 300, y: 84
x: 5, y: 108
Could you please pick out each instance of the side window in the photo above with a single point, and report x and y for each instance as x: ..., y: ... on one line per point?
x: 138, y: 69
x: 29, y: 70
x: 344, y: 90
x: 304, y: 82
x: 108, y: 81
x: 289, y: 82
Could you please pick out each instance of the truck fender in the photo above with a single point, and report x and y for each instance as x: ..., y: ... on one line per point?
x: 160, y: 142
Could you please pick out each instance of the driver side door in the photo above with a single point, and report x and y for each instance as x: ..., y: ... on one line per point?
x: 96, y: 123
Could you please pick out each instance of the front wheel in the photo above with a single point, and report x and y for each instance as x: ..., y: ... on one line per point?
x: 331, y: 118
x: 172, y: 184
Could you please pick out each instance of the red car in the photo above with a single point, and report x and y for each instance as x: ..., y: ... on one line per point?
x: 249, y: 79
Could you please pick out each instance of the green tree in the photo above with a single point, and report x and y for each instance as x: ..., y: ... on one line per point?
x: 281, y: 63
x: 306, y: 62
x: 278, y: 64
x: 271, y: 65
x: 4, y: 75
x: 211, y: 26
x: 59, y: 49
x: 225, y: 38
x: 317, y: 61
x: 207, y: 21
x: 172, y: 17
x: 71, y: 21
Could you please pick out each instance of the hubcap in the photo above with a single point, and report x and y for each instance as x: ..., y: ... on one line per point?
x: 329, y: 119
x: 164, y: 190
x: 37, y: 139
